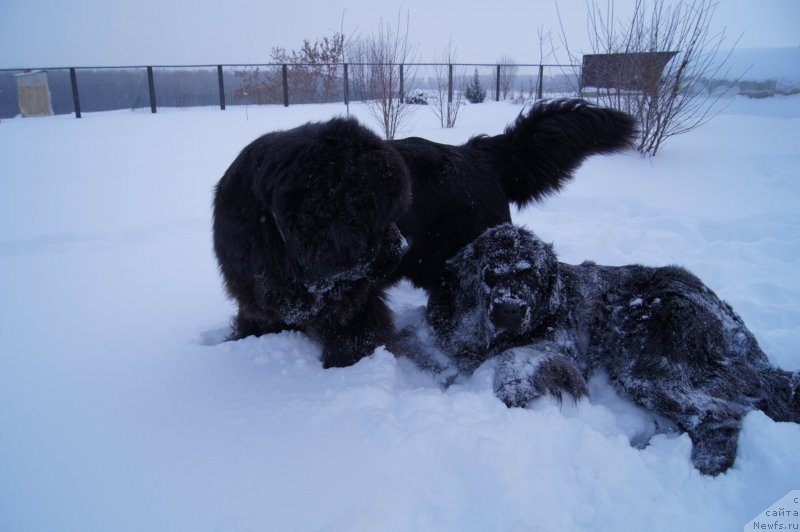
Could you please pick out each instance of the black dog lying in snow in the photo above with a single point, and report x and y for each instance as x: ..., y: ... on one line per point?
x: 308, y: 222
x: 664, y: 338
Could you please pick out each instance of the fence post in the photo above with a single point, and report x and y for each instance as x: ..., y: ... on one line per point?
x: 541, y: 83
x: 497, y: 86
x: 285, y: 69
x: 151, y: 85
x: 346, y: 85
x: 221, y: 88
x: 450, y: 83
x: 402, y: 83
x: 76, y: 101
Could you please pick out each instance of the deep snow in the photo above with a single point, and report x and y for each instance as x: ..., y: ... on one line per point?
x: 121, y: 410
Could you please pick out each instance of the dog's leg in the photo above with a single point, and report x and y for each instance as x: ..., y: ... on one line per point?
x: 715, y: 438
x: 714, y: 443
x: 243, y: 326
x: 346, y: 344
x: 529, y: 372
x: 417, y: 345
x: 441, y: 310
x: 713, y: 424
x: 780, y: 394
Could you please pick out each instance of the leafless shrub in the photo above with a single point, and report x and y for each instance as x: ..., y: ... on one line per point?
x: 667, y: 99
x: 379, y: 72
x: 508, y: 75
x: 259, y: 86
x: 447, y: 97
x: 313, y: 73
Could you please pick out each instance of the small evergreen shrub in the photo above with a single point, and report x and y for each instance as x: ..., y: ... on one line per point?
x: 475, y: 92
x: 417, y: 97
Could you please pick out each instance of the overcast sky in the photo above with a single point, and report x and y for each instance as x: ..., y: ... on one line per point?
x: 48, y: 33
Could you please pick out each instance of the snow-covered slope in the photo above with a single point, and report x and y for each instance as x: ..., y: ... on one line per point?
x: 121, y: 410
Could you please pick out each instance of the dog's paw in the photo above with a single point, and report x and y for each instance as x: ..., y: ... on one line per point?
x: 416, y: 344
x: 714, y: 444
x: 524, y: 374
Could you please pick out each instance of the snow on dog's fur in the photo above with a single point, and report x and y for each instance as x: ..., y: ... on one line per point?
x: 664, y: 338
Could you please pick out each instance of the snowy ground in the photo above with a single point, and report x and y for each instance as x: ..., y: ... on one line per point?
x: 120, y: 410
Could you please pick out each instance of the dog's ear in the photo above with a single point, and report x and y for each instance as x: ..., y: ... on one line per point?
x: 546, y: 263
x: 465, y: 269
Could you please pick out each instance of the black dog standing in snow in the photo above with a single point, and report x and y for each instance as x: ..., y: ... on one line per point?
x: 309, y: 224
x: 664, y: 338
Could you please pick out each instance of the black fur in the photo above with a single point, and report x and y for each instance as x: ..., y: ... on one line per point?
x: 305, y: 235
x: 305, y: 221
x: 664, y: 338
x: 460, y: 191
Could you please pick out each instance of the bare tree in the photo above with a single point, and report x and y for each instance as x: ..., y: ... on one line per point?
x: 667, y: 56
x: 447, y: 97
x: 258, y: 86
x: 380, y: 73
x: 314, y: 70
x: 508, y: 75
x: 547, y: 54
x: 313, y: 73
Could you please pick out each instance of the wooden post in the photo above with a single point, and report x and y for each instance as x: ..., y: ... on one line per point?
x: 76, y: 101
x: 449, y: 93
x: 402, y: 83
x: 221, y: 88
x: 497, y: 86
x: 346, y: 85
x: 151, y: 85
x: 285, y: 69
x: 541, y: 83
x: 450, y: 83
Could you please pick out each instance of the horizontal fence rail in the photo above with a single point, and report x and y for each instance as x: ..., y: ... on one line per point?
x: 100, y: 88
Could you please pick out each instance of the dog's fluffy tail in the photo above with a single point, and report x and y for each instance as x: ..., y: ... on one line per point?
x: 538, y: 153
x: 781, y: 400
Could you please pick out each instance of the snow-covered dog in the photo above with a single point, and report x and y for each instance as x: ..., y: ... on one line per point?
x: 664, y: 338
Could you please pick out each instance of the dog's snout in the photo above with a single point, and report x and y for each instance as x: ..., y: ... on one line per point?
x: 508, y: 315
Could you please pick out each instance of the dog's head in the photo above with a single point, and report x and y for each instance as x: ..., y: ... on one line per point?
x: 502, y: 293
x: 334, y: 197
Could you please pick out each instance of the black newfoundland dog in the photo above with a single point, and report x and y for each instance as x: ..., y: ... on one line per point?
x: 664, y: 338
x: 312, y: 224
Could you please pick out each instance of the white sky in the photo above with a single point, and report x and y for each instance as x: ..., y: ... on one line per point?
x: 48, y: 33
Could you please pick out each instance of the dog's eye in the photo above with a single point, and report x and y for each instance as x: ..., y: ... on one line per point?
x: 490, y: 277
x: 522, y: 266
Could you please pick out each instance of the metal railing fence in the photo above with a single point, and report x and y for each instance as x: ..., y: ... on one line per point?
x: 85, y: 89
